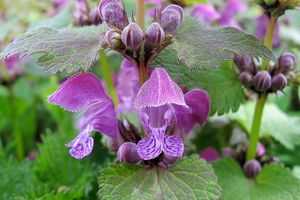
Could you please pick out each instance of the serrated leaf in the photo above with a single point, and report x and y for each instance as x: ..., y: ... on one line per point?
x: 68, y: 49
x: 191, y: 178
x: 275, y: 123
x: 273, y: 183
x: 200, y: 47
x: 222, y: 84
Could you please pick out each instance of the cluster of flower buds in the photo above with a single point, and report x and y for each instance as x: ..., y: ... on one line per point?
x: 83, y: 15
x: 251, y: 167
x: 262, y: 81
x: 127, y: 37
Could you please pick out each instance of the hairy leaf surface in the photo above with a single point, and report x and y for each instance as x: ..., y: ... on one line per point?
x: 191, y: 178
x: 201, y: 47
x: 68, y: 49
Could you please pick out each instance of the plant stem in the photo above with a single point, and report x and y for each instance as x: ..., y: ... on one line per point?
x: 141, y: 14
x: 17, y: 135
x: 254, y: 136
x: 108, y: 78
x: 268, y: 40
x: 255, y: 129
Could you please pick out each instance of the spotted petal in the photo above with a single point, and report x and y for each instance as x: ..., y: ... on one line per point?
x: 149, y: 148
x: 159, y: 90
x: 173, y: 146
x: 81, y: 146
x: 78, y: 91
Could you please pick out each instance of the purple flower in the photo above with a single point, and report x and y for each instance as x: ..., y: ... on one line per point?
x: 12, y: 67
x: 229, y: 11
x: 84, y: 92
x: 261, y: 28
x: 206, y: 14
x: 209, y: 154
x: 161, y: 106
x: 127, y: 85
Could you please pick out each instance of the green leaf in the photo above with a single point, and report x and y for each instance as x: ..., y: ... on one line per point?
x: 55, y: 167
x: 222, y: 85
x: 200, y: 47
x: 274, y: 182
x: 68, y: 49
x: 283, y: 128
x: 191, y: 178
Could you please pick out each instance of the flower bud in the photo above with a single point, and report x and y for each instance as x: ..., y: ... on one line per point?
x: 227, y: 152
x: 81, y: 13
x: 279, y: 82
x: 132, y: 36
x: 170, y: 18
x: 113, y: 144
x: 245, y: 63
x: 262, y: 81
x: 261, y: 150
x: 112, y: 39
x: 128, y: 153
x: 286, y: 62
x: 112, y: 12
x: 95, y: 17
x: 155, y: 34
x: 252, y: 168
x: 246, y: 79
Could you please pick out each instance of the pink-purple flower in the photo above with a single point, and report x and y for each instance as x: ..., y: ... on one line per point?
x: 161, y: 106
x: 208, y: 14
x: 166, y: 114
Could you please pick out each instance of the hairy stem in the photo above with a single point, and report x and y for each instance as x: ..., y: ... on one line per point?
x: 254, y: 136
x: 108, y: 78
x: 17, y: 135
x: 256, y: 122
x: 141, y: 14
x: 143, y: 72
x: 268, y: 40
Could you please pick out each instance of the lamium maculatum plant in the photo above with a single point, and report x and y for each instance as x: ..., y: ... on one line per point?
x: 180, y: 68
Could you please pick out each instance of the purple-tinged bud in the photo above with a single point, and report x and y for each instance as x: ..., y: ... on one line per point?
x: 261, y: 150
x: 209, y: 154
x: 112, y: 39
x: 245, y: 63
x: 132, y: 36
x: 112, y: 12
x: 171, y: 18
x: 279, y: 82
x: 113, y: 144
x: 286, y: 62
x: 239, y: 62
x: 155, y: 34
x: 252, y: 168
x: 226, y: 152
x: 262, y: 81
x: 81, y: 13
x: 127, y: 153
x: 246, y: 79
x: 95, y: 17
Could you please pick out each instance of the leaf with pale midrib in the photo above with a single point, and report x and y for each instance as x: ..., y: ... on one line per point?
x: 68, y: 49
x: 200, y: 47
x: 273, y: 183
x: 190, y: 178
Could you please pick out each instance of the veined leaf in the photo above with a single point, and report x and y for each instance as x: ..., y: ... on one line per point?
x: 191, y: 178
x: 68, y: 49
x: 201, y: 47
